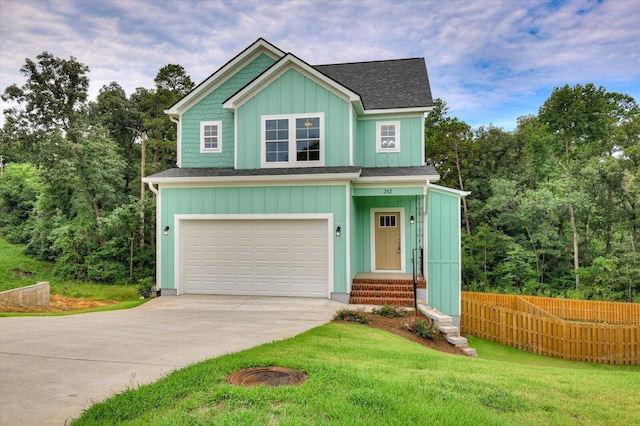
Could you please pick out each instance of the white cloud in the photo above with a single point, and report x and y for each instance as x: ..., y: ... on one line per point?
x: 484, y: 58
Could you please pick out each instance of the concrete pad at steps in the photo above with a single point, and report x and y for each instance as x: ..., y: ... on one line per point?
x: 51, y: 368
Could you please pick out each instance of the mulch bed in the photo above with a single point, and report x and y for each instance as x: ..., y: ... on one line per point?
x: 392, y: 325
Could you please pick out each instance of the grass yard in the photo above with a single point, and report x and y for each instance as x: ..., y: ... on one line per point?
x: 12, y: 259
x: 365, y: 376
x: 497, y: 352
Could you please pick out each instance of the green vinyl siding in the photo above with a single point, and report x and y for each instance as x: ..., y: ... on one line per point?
x: 210, y: 108
x: 361, y: 229
x: 256, y: 200
x: 443, y: 252
x: 293, y: 93
x: 411, y: 144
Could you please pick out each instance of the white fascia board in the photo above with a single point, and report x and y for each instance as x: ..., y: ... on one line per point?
x: 386, y: 180
x: 258, y: 180
x: 286, y: 63
x: 449, y: 190
x: 395, y: 111
x: 224, y: 73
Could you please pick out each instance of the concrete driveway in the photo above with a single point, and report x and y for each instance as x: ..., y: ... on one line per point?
x: 51, y: 368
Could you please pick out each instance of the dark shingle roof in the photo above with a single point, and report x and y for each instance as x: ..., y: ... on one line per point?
x: 398, y: 171
x: 227, y: 172
x: 230, y: 172
x: 400, y: 83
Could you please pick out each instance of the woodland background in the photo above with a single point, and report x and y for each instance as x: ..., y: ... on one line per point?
x: 553, y: 210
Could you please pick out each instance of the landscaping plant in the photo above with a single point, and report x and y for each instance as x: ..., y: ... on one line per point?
x: 420, y: 327
x: 351, y: 315
x: 390, y: 311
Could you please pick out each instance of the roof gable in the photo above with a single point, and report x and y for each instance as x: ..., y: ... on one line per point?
x: 400, y: 83
x: 287, y: 62
x: 260, y: 46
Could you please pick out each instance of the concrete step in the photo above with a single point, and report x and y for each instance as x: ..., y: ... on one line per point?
x: 470, y: 352
x: 457, y: 341
x: 449, y: 330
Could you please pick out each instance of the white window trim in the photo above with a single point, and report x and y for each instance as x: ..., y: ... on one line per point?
x: 292, y: 141
x: 210, y: 123
x: 379, y: 148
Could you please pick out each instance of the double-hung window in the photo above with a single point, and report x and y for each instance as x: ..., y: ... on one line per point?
x: 210, y: 136
x: 293, y: 140
x: 388, y: 136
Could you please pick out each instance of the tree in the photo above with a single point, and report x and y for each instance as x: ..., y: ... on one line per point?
x: 449, y: 147
x: 50, y: 101
x: 20, y: 187
x: 173, y: 78
x: 583, y: 120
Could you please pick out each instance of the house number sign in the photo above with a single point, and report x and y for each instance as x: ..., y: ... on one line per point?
x: 387, y: 191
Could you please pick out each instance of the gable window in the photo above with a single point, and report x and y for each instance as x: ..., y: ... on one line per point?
x: 210, y: 136
x: 388, y: 136
x: 293, y: 140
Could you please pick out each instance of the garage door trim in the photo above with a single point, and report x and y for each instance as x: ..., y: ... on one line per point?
x: 179, y: 219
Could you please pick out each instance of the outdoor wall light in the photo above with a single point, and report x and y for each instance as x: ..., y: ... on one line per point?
x: 412, y: 220
x: 338, y: 231
x: 166, y: 230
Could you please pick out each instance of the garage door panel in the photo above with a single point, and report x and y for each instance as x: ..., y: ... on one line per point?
x: 261, y: 257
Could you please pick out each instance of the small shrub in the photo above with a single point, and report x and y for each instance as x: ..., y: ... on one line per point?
x: 352, y: 315
x: 420, y: 327
x: 390, y: 311
x: 145, y: 286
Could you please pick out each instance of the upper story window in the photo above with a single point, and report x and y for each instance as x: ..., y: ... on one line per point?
x: 295, y: 140
x: 210, y: 136
x: 388, y: 136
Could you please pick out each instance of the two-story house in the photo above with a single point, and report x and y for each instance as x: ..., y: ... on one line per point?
x: 301, y: 180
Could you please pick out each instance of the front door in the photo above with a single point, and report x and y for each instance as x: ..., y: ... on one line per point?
x: 387, y: 241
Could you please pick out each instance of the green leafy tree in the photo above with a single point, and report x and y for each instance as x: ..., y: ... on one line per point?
x: 20, y: 187
x: 583, y: 120
x: 449, y: 147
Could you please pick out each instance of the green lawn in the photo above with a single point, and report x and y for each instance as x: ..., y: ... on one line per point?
x: 495, y: 351
x: 12, y: 257
x: 364, y: 376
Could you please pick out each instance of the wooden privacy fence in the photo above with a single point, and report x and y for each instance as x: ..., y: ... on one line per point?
x: 578, y: 330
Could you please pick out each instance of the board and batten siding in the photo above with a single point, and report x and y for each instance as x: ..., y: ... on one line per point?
x: 361, y: 229
x: 293, y: 93
x: 210, y: 109
x: 411, y: 143
x: 443, y: 252
x: 257, y: 200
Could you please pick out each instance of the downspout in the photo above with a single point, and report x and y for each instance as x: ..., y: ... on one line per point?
x: 425, y: 235
x: 178, y: 139
x: 152, y: 188
x: 158, y: 239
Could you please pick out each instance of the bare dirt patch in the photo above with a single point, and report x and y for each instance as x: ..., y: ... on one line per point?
x: 392, y: 325
x: 58, y: 303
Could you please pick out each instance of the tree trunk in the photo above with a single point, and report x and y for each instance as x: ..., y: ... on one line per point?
x: 464, y: 199
x: 572, y: 217
x: 576, y: 256
x: 90, y: 191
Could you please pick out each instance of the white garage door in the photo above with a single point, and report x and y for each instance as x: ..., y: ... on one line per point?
x: 255, y: 257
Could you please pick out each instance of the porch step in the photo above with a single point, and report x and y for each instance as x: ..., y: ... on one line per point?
x: 444, y: 323
x: 381, y: 292
x: 457, y: 341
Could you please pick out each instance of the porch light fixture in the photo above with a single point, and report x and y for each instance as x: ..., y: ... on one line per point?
x: 412, y: 220
x: 338, y: 231
x: 166, y: 230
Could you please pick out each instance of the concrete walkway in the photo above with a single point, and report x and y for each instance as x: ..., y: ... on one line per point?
x: 51, y: 368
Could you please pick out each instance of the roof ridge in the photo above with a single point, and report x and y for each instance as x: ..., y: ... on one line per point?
x: 369, y: 62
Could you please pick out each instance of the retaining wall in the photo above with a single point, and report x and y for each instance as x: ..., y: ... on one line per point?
x: 33, y: 295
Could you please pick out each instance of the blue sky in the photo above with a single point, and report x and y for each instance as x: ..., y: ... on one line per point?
x: 491, y: 61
